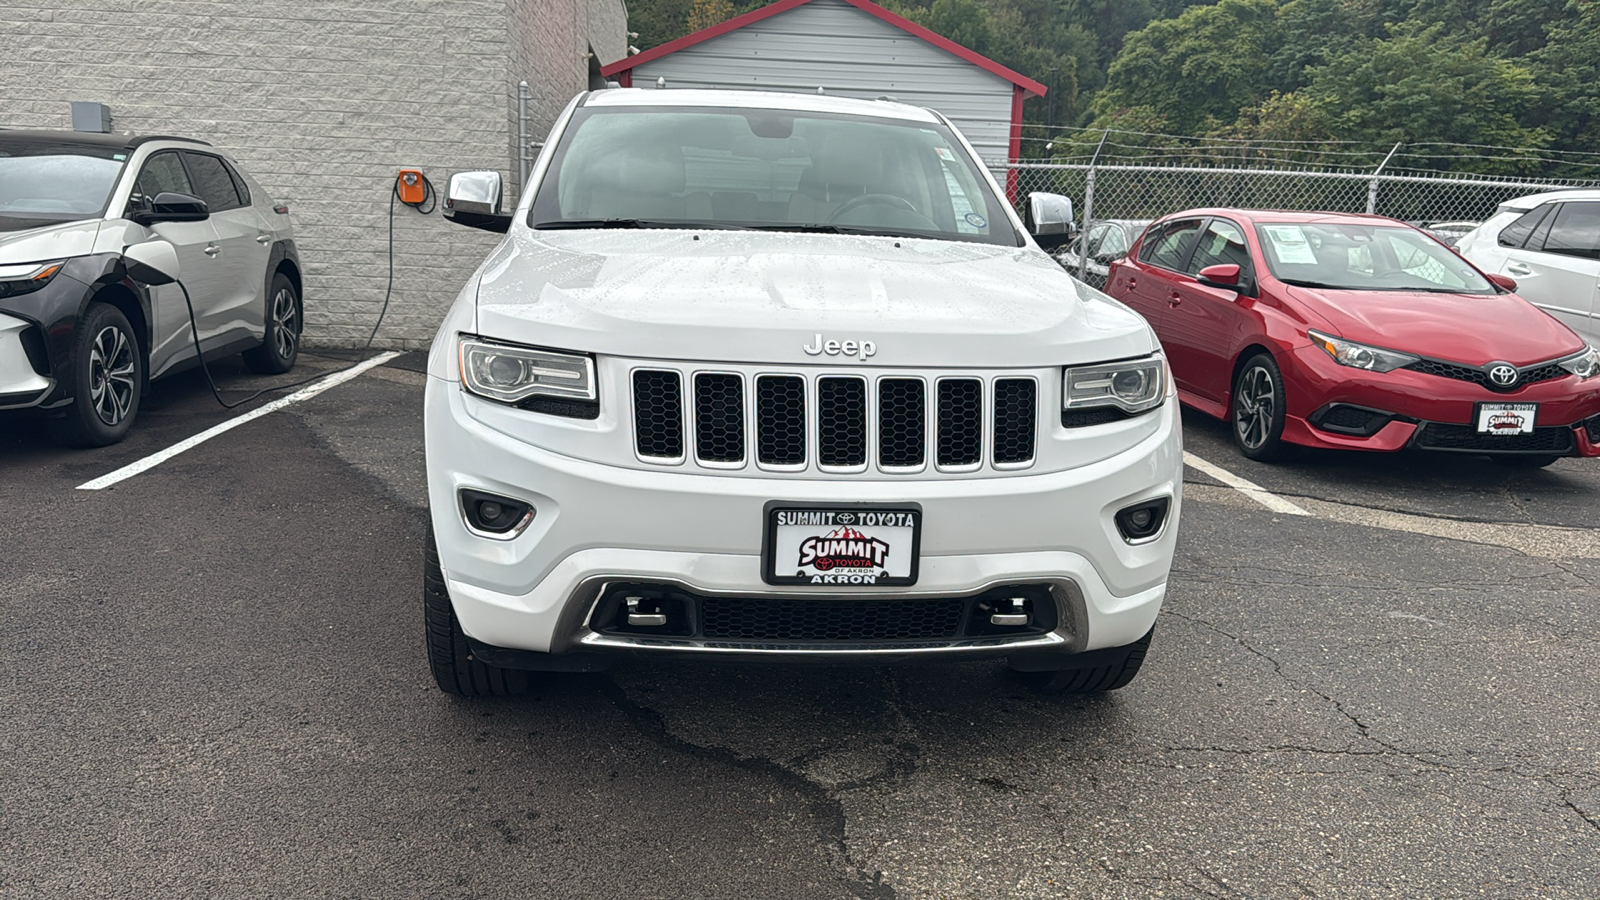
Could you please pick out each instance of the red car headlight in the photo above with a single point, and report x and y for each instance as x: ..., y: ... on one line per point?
x: 1361, y: 356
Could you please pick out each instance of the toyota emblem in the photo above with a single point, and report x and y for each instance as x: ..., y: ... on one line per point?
x: 1503, y: 374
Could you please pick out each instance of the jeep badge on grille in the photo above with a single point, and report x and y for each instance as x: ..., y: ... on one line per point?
x: 859, y: 349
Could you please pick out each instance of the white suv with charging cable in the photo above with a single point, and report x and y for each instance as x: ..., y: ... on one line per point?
x: 79, y: 339
x: 783, y: 377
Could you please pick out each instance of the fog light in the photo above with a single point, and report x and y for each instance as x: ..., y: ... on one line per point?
x: 1142, y: 521
x: 494, y: 516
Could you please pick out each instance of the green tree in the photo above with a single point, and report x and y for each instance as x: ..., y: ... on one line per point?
x: 706, y: 13
x: 1421, y: 86
x: 1567, y: 68
x: 1283, y: 117
x: 1198, y: 69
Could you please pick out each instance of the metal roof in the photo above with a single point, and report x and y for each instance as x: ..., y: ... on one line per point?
x: 740, y: 99
x: 866, y: 6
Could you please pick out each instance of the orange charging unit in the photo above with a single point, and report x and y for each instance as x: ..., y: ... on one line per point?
x: 411, y: 187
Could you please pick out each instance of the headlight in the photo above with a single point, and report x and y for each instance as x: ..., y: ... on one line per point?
x: 1360, y: 356
x: 1132, y: 386
x: 510, y: 374
x: 1583, y: 365
x: 27, y: 278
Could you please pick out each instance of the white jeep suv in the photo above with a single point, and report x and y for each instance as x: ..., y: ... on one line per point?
x: 783, y: 377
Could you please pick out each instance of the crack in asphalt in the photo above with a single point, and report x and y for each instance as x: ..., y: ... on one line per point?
x: 824, y: 806
x: 1277, y: 667
x: 1569, y: 803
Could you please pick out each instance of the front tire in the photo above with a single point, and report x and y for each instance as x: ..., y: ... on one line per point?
x: 454, y: 669
x: 1101, y: 671
x: 1258, y: 410
x: 110, y: 369
x: 280, y: 346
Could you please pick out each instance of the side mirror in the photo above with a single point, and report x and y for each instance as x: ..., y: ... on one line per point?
x: 151, y: 262
x: 1501, y: 281
x: 1051, y: 215
x: 474, y: 199
x: 1224, y: 276
x: 171, y: 206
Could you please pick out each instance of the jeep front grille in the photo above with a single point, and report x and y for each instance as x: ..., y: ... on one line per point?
x: 719, y: 418
x: 842, y: 422
x: 835, y: 422
x: 1016, y: 402
x: 658, y: 414
x: 781, y: 420
x: 902, y: 423
x: 960, y: 422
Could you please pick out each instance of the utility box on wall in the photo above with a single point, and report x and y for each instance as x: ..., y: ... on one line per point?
x: 93, y: 117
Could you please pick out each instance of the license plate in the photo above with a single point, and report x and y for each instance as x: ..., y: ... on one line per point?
x: 841, y: 544
x: 1506, y: 418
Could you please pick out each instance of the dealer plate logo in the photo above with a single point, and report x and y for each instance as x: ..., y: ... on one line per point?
x: 820, y: 546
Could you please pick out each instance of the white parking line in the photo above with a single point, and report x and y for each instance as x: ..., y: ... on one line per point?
x: 306, y: 393
x: 1244, y: 486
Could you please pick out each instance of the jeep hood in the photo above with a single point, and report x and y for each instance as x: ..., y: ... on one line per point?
x: 758, y: 297
x: 57, y: 240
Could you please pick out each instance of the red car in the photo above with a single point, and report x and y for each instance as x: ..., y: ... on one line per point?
x: 1357, y: 332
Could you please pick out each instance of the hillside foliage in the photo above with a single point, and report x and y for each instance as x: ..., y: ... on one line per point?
x: 1522, y: 74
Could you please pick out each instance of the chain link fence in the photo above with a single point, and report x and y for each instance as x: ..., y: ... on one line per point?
x: 1116, y: 179
x: 1122, y: 191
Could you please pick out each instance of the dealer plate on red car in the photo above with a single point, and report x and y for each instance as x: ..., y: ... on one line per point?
x: 1506, y: 418
x: 842, y: 544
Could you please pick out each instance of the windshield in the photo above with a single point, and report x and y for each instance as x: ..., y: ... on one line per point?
x: 770, y: 170
x: 1365, y: 258
x: 45, y: 183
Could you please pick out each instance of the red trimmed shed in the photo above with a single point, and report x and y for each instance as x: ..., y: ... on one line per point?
x: 853, y: 48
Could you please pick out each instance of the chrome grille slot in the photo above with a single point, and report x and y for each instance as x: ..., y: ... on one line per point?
x: 658, y: 414
x: 902, y: 423
x: 781, y: 420
x: 842, y: 421
x: 960, y: 422
x: 1016, y: 402
x: 719, y: 418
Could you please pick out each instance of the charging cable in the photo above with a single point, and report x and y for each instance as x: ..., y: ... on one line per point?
x: 430, y: 200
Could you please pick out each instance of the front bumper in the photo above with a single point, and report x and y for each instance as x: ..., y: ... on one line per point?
x: 21, y: 384
x: 598, y: 524
x: 1413, y: 409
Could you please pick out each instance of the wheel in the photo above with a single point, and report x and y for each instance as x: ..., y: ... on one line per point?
x: 1101, y: 671
x: 280, y: 347
x: 1525, y: 460
x: 109, y: 365
x: 454, y: 669
x: 1258, y: 409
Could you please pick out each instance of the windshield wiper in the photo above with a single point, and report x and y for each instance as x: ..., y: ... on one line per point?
x: 575, y: 224
x: 826, y: 228
x: 1321, y: 284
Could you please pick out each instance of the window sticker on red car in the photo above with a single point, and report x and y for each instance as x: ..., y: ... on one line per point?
x: 1290, y: 245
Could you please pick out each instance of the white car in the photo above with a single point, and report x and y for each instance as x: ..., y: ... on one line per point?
x: 783, y: 377
x: 1550, y: 245
x: 79, y: 338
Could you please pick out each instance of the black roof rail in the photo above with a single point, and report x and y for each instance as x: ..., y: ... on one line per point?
x: 136, y: 140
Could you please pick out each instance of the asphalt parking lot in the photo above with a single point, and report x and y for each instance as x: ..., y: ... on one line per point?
x: 214, y: 687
